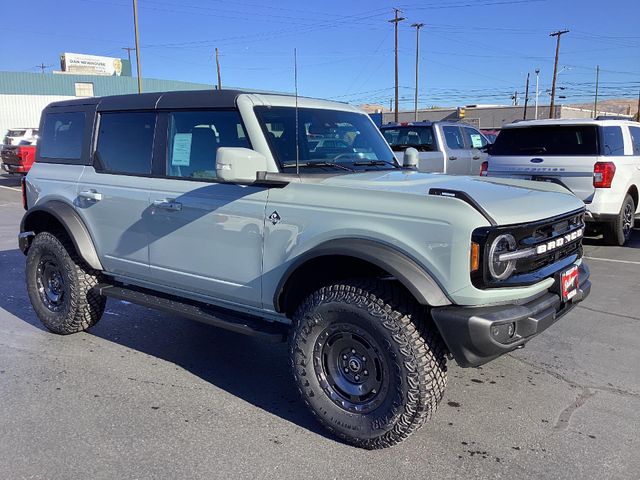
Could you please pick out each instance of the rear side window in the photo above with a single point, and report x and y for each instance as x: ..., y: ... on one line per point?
x: 548, y: 140
x: 453, y: 137
x: 125, y: 143
x: 635, y: 136
x: 612, y: 142
x: 194, y: 139
x: 62, y: 135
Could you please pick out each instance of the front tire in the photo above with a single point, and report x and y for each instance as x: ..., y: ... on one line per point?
x: 365, y: 362
x: 61, y: 286
x: 620, y: 230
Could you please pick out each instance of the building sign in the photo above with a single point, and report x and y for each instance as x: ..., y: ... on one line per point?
x: 90, y: 64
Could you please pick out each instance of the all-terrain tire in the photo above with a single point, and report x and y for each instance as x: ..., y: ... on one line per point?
x: 407, y: 354
x: 620, y: 230
x: 61, y: 286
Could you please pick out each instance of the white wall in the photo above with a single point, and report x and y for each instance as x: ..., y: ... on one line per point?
x: 23, y: 110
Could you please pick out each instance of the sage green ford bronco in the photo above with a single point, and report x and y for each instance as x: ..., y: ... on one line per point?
x: 289, y: 218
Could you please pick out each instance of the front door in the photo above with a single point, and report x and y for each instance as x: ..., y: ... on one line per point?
x: 475, y: 142
x: 206, y: 236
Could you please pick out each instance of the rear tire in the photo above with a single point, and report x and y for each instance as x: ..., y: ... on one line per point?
x: 620, y: 230
x: 366, y: 363
x: 61, y: 286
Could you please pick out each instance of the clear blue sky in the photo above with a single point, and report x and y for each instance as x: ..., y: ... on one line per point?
x: 472, y: 51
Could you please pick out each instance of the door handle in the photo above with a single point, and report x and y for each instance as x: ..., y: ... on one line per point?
x: 452, y: 157
x: 476, y: 157
x: 168, y: 204
x: 90, y: 195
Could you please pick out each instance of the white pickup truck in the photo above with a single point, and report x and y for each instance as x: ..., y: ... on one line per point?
x: 454, y: 148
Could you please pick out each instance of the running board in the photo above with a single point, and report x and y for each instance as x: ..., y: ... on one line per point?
x: 246, y: 324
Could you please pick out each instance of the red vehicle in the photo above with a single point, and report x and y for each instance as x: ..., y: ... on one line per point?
x: 18, y: 158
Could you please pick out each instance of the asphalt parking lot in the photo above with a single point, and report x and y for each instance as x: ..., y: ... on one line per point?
x: 143, y: 395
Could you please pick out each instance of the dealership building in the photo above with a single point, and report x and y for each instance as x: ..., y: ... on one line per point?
x: 24, y: 95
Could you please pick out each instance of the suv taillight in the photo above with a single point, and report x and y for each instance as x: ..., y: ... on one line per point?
x: 484, y: 168
x: 603, y: 173
x: 23, y: 186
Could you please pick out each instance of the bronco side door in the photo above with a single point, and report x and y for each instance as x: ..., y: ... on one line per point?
x: 205, y: 235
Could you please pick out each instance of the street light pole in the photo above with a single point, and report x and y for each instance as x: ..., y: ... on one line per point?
x: 417, y: 26
x: 135, y: 26
x: 537, y: 74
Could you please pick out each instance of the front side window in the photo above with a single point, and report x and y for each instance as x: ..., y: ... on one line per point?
x: 474, y: 138
x: 194, y: 139
x: 419, y: 137
x: 570, y: 140
x: 635, y: 137
x: 125, y: 142
x: 327, y: 140
x: 612, y: 142
x: 453, y: 137
x: 62, y: 135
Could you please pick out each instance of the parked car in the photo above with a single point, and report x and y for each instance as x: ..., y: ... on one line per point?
x: 598, y: 160
x: 490, y: 135
x: 212, y: 205
x: 18, y: 158
x: 449, y: 147
x: 15, y: 136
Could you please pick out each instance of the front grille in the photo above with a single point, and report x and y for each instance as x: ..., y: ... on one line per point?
x: 537, y: 236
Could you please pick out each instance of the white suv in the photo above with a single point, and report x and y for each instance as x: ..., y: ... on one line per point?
x: 16, y: 135
x: 598, y: 160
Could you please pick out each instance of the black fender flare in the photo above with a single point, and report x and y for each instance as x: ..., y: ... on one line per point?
x: 72, y: 223
x: 415, y: 278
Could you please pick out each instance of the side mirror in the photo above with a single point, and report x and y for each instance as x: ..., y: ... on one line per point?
x: 410, y: 158
x: 239, y: 165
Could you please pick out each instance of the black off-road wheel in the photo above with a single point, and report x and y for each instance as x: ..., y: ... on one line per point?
x: 61, y: 286
x: 368, y: 364
x: 620, y: 230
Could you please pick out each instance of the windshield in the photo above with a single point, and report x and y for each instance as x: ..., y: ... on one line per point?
x: 420, y: 138
x: 547, y: 140
x: 328, y: 140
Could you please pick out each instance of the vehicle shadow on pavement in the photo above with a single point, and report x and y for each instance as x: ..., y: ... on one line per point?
x: 250, y: 369
x: 633, y: 242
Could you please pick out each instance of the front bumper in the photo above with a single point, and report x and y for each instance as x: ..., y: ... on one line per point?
x: 477, y: 335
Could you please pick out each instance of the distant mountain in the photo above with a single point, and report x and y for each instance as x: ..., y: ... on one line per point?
x: 623, y: 106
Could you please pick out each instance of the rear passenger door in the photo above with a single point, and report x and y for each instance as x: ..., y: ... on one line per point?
x: 113, y: 193
x: 205, y: 235
x: 457, y: 157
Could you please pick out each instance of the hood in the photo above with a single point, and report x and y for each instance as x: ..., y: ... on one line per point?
x: 507, y: 201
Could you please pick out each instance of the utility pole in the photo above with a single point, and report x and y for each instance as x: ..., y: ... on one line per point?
x: 638, y: 112
x: 557, y: 34
x: 218, y: 69
x: 595, y: 102
x: 395, y: 21
x: 417, y: 26
x: 391, y: 104
x: 129, y: 50
x: 135, y: 27
x: 514, y: 97
x: 526, y: 98
x: 537, y: 74
x: 43, y: 67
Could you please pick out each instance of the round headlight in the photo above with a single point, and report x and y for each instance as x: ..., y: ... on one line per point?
x: 502, y: 244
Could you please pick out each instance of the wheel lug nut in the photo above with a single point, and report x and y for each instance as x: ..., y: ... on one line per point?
x: 346, y: 370
x: 366, y: 372
x: 364, y: 359
x: 357, y: 377
x: 344, y: 357
x: 353, y: 350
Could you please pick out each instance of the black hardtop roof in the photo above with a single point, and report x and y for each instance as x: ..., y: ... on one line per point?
x: 159, y: 100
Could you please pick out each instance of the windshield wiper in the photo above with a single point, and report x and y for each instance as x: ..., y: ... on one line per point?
x: 318, y: 164
x: 373, y: 163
